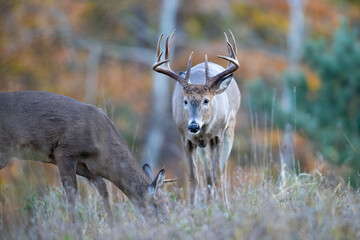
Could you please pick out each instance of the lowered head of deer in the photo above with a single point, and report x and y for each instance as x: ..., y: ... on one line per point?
x: 156, y: 203
x: 79, y: 139
x: 200, y: 84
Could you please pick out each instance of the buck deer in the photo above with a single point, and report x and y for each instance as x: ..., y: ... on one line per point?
x: 204, y: 104
x: 80, y: 139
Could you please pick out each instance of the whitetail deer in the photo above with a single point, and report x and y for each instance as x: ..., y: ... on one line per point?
x: 80, y: 139
x: 205, y: 102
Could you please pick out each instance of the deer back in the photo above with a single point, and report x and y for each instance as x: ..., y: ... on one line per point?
x: 43, y: 121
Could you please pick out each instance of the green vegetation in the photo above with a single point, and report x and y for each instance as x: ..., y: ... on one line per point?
x: 329, y: 114
x: 333, y: 110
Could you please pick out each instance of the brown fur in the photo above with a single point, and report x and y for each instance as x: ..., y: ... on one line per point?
x: 80, y: 139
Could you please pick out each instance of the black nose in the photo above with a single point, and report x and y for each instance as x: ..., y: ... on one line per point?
x: 194, y: 127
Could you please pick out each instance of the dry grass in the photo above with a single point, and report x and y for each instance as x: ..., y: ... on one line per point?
x: 306, y: 208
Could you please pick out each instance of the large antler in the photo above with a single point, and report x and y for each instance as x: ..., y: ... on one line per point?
x: 166, y: 68
x: 233, y: 63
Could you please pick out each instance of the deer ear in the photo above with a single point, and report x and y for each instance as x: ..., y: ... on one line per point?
x: 221, y: 85
x: 157, y: 183
x: 147, y: 170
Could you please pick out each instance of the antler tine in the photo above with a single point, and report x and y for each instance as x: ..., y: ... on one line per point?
x: 207, y: 69
x: 159, y: 46
x: 233, y: 41
x: 169, y: 42
x: 171, y: 39
x: 231, y: 58
x: 159, y: 57
x: 228, y: 48
x: 166, y: 68
x: 226, y: 37
x: 170, y: 180
x: 231, y: 51
x: 188, y: 69
x: 167, y: 47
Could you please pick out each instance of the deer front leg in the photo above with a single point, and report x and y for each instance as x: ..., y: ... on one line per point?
x: 67, y: 171
x: 204, y: 157
x: 227, y: 146
x: 100, y: 185
x: 190, y: 149
x: 216, y: 173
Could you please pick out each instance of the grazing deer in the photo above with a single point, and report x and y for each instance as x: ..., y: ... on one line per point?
x: 205, y: 102
x: 80, y: 139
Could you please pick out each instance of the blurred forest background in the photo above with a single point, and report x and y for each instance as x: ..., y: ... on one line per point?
x: 299, y: 75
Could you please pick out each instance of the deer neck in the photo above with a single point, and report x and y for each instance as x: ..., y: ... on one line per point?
x: 127, y: 175
x: 122, y: 169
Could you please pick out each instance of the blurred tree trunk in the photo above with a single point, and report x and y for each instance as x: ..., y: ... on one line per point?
x: 92, y: 73
x: 296, y: 34
x: 161, y: 97
x: 295, y: 43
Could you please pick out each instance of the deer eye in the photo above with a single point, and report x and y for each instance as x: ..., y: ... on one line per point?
x: 206, y: 101
x: 185, y: 102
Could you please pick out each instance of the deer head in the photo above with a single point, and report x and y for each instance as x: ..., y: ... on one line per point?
x: 156, y: 202
x: 198, y: 98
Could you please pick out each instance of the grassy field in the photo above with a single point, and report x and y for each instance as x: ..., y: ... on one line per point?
x: 306, y: 207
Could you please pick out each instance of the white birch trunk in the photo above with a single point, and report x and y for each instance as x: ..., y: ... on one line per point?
x: 161, y: 92
x: 295, y: 44
x: 92, y: 73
